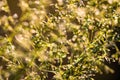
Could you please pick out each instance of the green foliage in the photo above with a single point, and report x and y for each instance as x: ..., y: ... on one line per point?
x: 57, y: 39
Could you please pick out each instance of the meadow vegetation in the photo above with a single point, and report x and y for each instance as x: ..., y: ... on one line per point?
x: 57, y: 39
